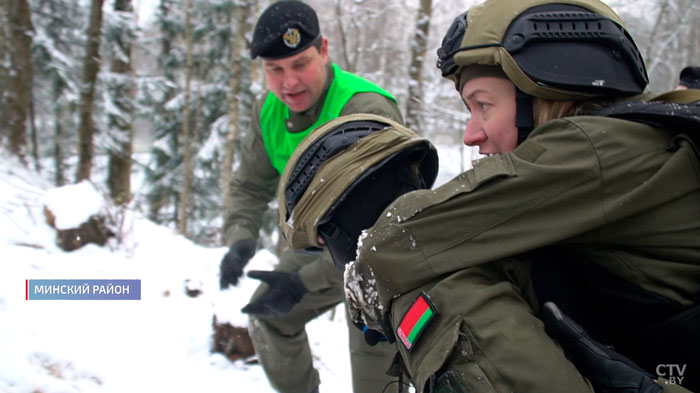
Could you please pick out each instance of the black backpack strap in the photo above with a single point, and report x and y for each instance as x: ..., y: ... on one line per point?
x: 646, y: 327
x: 681, y: 116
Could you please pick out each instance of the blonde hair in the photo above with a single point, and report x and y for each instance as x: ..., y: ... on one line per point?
x: 544, y: 110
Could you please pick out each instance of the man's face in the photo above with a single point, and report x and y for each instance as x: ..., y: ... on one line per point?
x: 298, y: 80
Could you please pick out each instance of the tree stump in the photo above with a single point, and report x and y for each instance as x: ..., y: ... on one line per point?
x: 94, y: 230
x: 232, y: 341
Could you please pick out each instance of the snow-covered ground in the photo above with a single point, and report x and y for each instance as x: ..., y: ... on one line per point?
x: 160, y: 343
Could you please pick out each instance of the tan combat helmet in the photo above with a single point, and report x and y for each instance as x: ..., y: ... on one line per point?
x: 343, y: 175
x: 553, y: 49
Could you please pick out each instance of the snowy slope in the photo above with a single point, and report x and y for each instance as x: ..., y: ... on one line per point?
x: 158, y: 343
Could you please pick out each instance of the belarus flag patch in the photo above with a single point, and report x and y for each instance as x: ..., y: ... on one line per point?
x: 415, y: 320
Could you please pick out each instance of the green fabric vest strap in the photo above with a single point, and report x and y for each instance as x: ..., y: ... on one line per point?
x: 280, y: 143
x: 679, y: 96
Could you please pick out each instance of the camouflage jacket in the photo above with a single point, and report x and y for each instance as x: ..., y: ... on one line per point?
x: 254, y: 182
x: 618, y: 193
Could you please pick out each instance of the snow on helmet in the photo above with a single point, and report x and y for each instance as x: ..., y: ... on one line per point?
x: 343, y: 175
x: 557, y: 50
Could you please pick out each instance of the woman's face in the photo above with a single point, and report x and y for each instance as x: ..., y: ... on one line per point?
x: 491, y: 102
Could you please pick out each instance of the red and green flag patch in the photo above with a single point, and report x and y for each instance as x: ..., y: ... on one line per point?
x: 416, y: 320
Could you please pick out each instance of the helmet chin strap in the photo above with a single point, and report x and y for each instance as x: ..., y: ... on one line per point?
x: 524, y: 119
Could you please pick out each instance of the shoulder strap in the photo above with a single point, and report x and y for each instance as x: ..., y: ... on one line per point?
x: 679, y: 96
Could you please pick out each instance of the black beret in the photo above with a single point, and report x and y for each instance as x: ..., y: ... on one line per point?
x: 284, y: 29
x: 690, y: 77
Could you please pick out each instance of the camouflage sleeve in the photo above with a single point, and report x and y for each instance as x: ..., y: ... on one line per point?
x: 506, y: 205
x: 320, y: 274
x: 373, y: 103
x: 253, y: 185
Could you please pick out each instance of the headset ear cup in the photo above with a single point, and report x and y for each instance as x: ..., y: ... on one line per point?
x: 361, y: 206
x: 341, y: 245
x: 358, y: 210
x: 408, y: 178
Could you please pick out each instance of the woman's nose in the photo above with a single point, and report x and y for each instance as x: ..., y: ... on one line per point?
x: 474, y: 134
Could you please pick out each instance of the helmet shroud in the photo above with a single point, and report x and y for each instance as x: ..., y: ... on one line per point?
x: 343, y: 175
x: 557, y: 50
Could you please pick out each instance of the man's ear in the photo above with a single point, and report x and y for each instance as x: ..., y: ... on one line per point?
x: 324, y: 49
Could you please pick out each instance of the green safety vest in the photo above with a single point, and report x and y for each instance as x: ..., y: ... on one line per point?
x: 280, y: 143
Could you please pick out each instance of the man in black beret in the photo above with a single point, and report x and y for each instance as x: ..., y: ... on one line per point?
x: 306, y: 90
x: 689, y: 78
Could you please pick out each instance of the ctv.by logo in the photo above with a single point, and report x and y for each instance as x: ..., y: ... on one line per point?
x: 672, y: 373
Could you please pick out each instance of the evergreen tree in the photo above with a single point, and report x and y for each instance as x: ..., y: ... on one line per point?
x: 186, y: 190
x: 58, y: 43
x: 216, y: 33
x: 213, y: 31
x: 160, y: 96
x: 237, y: 85
x: 91, y: 67
x: 17, y: 73
x: 120, y: 32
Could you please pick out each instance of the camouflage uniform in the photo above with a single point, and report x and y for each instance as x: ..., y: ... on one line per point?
x: 449, y: 272
x: 281, y: 343
x: 615, y: 193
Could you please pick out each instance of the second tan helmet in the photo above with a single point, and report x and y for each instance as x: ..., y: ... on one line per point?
x: 343, y: 175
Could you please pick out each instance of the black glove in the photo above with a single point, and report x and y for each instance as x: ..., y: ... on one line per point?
x: 372, y: 337
x: 234, y: 261
x: 284, y: 292
x: 608, y: 371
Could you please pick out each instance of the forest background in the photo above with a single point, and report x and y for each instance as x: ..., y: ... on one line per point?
x: 164, y: 88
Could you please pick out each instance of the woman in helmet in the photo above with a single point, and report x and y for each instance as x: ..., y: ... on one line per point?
x: 589, y: 197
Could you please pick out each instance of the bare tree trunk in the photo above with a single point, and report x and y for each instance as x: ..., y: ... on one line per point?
x: 256, y: 73
x: 5, y: 69
x: 58, y: 145
x: 419, y: 46
x: 343, y: 39
x: 693, y: 50
x: 650, y: 46
x: 668, y: 45
x: 121, y: 126
x: 358, y: 49
x: 183, y: 210
x: 17, y: 31
x: 34, y: 136
x: 197, y: 115
x: 234, y: 83
x: 91, y: 66
x: 690, y: 47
